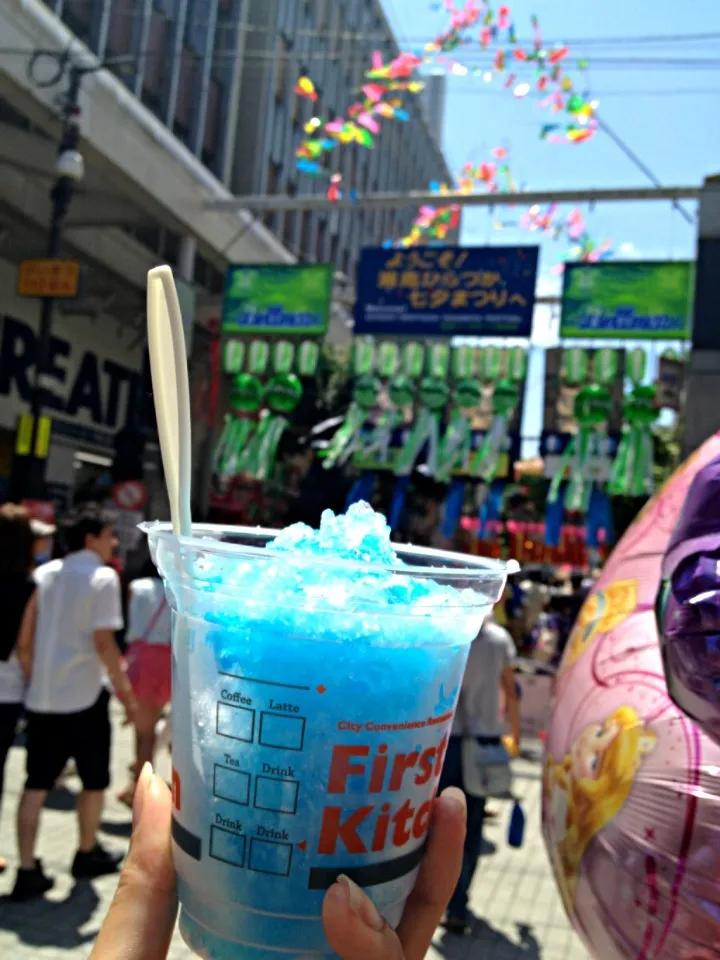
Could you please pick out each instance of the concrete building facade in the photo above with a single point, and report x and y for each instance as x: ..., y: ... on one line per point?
x: 151, y: 164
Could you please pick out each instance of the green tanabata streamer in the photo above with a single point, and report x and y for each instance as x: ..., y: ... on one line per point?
x: 348, y: 438
x: 632, y: 471
x: 485, y: 463
x: 283, y: 393
x: 592, y: 408
x: 456, y: 444
x: 245, y: 400
x: 433, y: 397
x: 375, y: 451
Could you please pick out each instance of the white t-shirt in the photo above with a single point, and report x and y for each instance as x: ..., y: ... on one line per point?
x: 75, y: 597
x: 12, y: 680
x: 491, y: 651
x: 148, y: 613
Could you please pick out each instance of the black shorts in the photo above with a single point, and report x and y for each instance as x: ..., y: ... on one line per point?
x: 54, y: 738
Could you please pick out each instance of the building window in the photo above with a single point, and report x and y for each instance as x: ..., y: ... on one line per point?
x: 321, y: 241
x: 305, y: 233
x: 281, y: 68
x: 288, y: 237
x: 273, y: 177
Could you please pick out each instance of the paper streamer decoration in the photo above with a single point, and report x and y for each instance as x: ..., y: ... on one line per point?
x: 233, y: 357
x: 250, y: 439
x: 258, y: 357
x: 283, y: 356
x: 366, y: 392
x: 486, y: 462
x: 592, y: 409
x: 632, y: 471
x: 308, y: 357
x: 573, y: 114
x: 283, y: 393
x: 433, y: 396
x: 576, y: 486
x: 456, y: 444
x: 246, y: 395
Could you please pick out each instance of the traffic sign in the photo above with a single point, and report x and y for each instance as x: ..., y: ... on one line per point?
x: 48, y: 278
x: 130, y: 495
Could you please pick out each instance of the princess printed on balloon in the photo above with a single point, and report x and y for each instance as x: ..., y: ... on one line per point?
x: 590, y: 785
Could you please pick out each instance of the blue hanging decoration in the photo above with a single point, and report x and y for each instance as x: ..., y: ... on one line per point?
x: 491, y: 506
x: 599, y: 518
x: 452, y: 508
x: 397, y: 504
x: 554, y: 516
x: 362, y: 489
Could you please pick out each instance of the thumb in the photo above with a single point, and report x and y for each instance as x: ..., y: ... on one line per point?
x: 354, y: 927
x: 141, y: 919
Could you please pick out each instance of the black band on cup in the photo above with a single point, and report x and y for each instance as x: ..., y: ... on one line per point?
x: 373, y: 874
x: 188, y: 842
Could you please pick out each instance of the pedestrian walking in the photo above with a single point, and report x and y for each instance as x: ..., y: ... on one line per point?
x: 149, y: 665
x: 17, y: 544
x: 67, y: 648
x: 489, y: 668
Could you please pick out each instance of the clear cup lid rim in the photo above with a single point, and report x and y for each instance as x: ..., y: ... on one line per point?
x: 444, y: 564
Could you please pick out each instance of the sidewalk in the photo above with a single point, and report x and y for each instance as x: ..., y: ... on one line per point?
x: 514, y: 898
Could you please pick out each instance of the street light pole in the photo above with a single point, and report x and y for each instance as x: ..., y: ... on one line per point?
x: 28, y: 480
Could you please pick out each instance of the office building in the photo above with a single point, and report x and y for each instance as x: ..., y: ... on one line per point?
x: 157, y: 141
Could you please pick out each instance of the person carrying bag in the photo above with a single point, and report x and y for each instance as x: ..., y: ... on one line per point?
x: 476, y: 760
x: 485, y: 762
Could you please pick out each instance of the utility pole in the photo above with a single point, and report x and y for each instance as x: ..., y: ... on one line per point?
x: 28, y: 478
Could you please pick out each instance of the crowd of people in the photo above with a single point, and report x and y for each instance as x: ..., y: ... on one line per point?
x: 58, y: 649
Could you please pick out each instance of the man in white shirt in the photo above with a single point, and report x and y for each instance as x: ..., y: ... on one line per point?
x: 67, y: 646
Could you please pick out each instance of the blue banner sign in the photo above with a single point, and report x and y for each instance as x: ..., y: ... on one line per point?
x: 446, y: 291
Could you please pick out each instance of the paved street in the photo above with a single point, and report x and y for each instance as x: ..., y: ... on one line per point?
x: 518, y: 912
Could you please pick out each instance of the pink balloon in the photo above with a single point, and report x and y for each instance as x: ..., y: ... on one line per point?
x: 631, y: 785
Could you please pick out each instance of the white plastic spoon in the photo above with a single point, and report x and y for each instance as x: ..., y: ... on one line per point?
x: 171, y: 391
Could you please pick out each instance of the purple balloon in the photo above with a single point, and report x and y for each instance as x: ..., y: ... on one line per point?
x: 689, y: 604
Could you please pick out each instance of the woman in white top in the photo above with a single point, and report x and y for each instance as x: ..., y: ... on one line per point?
x: 149, y: 664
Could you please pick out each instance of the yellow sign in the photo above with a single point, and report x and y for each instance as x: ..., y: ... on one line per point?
x: 24, y: 438
x: 48, y: 278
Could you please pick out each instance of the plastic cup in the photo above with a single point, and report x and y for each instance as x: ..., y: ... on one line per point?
x: 308, y: 737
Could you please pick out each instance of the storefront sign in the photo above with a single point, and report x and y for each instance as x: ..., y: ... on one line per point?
x: 277, y: 299
x: 446, y: 291
x: 634, y: 301
x: 89, y: 381
x: 48, y: 278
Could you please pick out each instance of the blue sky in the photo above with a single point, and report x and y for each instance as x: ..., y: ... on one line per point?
x: 666, y: 110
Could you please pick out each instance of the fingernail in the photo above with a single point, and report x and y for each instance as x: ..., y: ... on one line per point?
x: 457, y: 798
x: 361, y: 905
x: 144, y: 780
